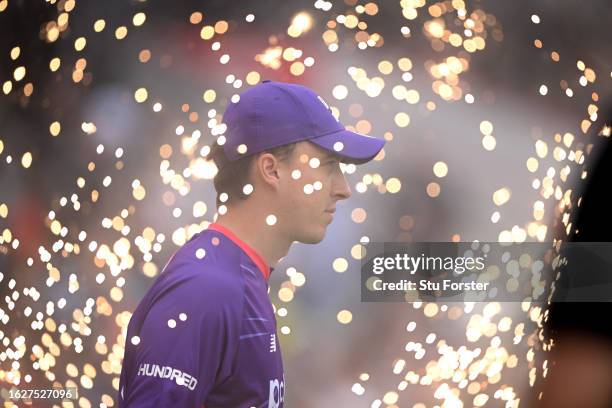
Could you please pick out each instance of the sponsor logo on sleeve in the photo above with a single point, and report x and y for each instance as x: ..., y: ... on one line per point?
x: 277, y: 393
x: 272, y: 343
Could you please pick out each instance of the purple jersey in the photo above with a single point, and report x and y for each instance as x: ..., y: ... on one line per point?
x: 205, y: 332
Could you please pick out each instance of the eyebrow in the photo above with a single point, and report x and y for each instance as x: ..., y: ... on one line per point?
x: 329, y: 157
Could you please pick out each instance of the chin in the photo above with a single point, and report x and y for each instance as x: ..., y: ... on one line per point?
x: 313, y: 236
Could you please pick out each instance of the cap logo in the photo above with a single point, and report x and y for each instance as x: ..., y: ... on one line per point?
x: 323, y: 102
x: 327, y: 107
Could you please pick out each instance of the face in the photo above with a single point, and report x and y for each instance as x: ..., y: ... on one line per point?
x: 310, y: 184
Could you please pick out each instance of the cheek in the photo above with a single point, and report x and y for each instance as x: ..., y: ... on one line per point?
x: 293, y: 197
x: 299, y: 205
x: 303, y: 196
x: 306, y: 192
x: 315, y: 180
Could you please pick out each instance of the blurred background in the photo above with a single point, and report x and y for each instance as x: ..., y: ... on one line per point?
x: 494, y: 115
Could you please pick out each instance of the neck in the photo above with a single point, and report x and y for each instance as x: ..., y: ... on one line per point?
x: 266, y: 240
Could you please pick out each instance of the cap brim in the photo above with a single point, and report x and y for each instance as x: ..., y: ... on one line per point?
x: 350, y: 146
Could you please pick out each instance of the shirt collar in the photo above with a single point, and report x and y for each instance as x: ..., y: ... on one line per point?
x: 257, y: 259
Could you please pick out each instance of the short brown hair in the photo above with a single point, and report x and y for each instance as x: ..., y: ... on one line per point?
x: 233, y: 175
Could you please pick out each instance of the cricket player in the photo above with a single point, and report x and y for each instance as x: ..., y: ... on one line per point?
x: 205, y: 335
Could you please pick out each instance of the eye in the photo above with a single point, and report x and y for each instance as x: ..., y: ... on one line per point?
x: 330, y: 162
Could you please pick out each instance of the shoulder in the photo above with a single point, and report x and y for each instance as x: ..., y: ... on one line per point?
x: 202, y: 275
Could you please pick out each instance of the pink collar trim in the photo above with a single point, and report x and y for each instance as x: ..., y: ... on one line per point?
x: 257, y: 259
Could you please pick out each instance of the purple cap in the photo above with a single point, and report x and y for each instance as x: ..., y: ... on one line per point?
x: 273, y: 114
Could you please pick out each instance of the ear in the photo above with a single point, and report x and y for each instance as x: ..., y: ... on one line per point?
x: 267, y: 169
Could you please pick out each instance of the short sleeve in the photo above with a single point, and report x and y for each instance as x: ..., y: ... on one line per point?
x: 184, y: 346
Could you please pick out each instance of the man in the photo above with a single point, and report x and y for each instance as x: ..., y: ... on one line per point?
x: 205, y: 333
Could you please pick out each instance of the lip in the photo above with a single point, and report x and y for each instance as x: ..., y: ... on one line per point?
x: 331, y: 210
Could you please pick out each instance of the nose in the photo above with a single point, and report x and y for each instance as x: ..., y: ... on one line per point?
x: 341, y: 190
